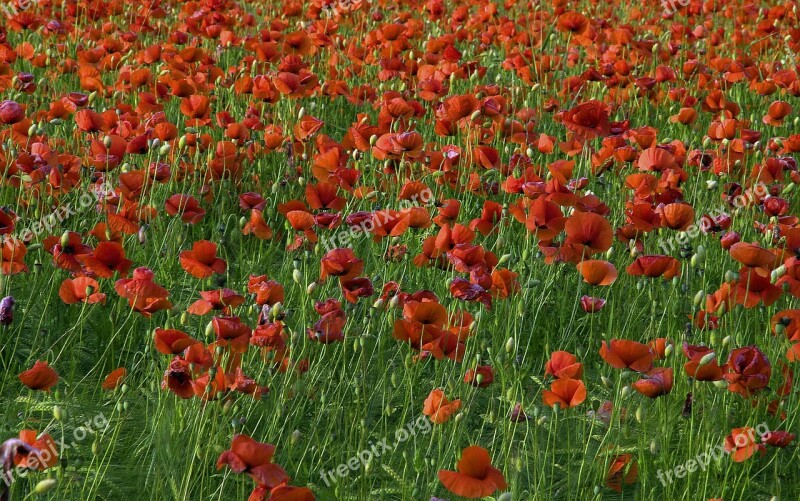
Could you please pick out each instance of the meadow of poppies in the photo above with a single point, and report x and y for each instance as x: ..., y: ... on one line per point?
x: 399, y: 250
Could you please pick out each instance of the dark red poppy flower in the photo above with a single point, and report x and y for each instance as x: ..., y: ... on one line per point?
x: 247, y: 455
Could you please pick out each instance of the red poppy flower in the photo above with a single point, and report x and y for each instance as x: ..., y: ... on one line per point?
x: 114, y: 378
x: 563, y: 365
x: 143, y: 295
x: 106, y: 259
x: 590, y: 233
x: 231, y: 332
x: 45, y: 453
x: 341, y: 263
x: 753, y: 256
x: 481, y: 376
x: 172, y: 341
x: 622, y: 471
x: 187, y: 206
x: 567, y: 393
x: 476, y: 477
x: 623, y: 353
x: 655, y: 383
x: 655, y: 266
x: 741, y: 443
x: 710, y: 371
x: 39, y: 377
x: 81, y: 290
x: 254, y: 458
x: 438, y: 408
x: 778, y: 438
x: 748, y: 371
x: 267, y: 291
x: 202, y: 260
x: 587, y: 120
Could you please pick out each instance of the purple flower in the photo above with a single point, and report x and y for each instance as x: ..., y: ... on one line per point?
x: 7, y: 310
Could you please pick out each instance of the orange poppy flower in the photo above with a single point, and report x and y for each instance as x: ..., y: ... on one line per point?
x: 438, y: 408
x: 741, y: 444
x: 39, y: 377
x: 202, y: 260
x: 753, y: 256
x: 567, y: 393
x: 481, y: 376
x: 597, y: 272
x: 622, y: 471
x: 114, y: 377
x: 624, y: 353
x: 172, y: 341
x: 106, y: 259
x: 44, y: 455
x: 711, y: 371
x: 563, y: 365
x: 81, y: 290
x: 257, y: 226
x: 476, y: 477
x: 590, y: 233
x: 677, y: 216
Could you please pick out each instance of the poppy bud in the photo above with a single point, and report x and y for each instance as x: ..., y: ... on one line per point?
x: 721, y: 383
x: 778, y: 272
x: 669, y: 350
x: 164, y: 149
x: 45, y: 485
x: 626, y: 391
x: 654, y: 447
x: 606, y: 381
x: 57, y: 413
x: 699, y: 297
x: 32, y: 130
x: 141, y: 235
x: 275, y: 311
x: 301, y: 181
x: 312, y: 287
x: 788, y: 189
x: 510, y: 345
x: 297, y: 276
x: 64, y: 239
x: 226, y: 409
x: 707, y: 358
x: 731, y: 276
x: 543, y: 419
x: 639, y: 414
x: 726, y: 341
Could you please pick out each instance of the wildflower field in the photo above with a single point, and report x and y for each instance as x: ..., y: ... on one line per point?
x: 399, y: 250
